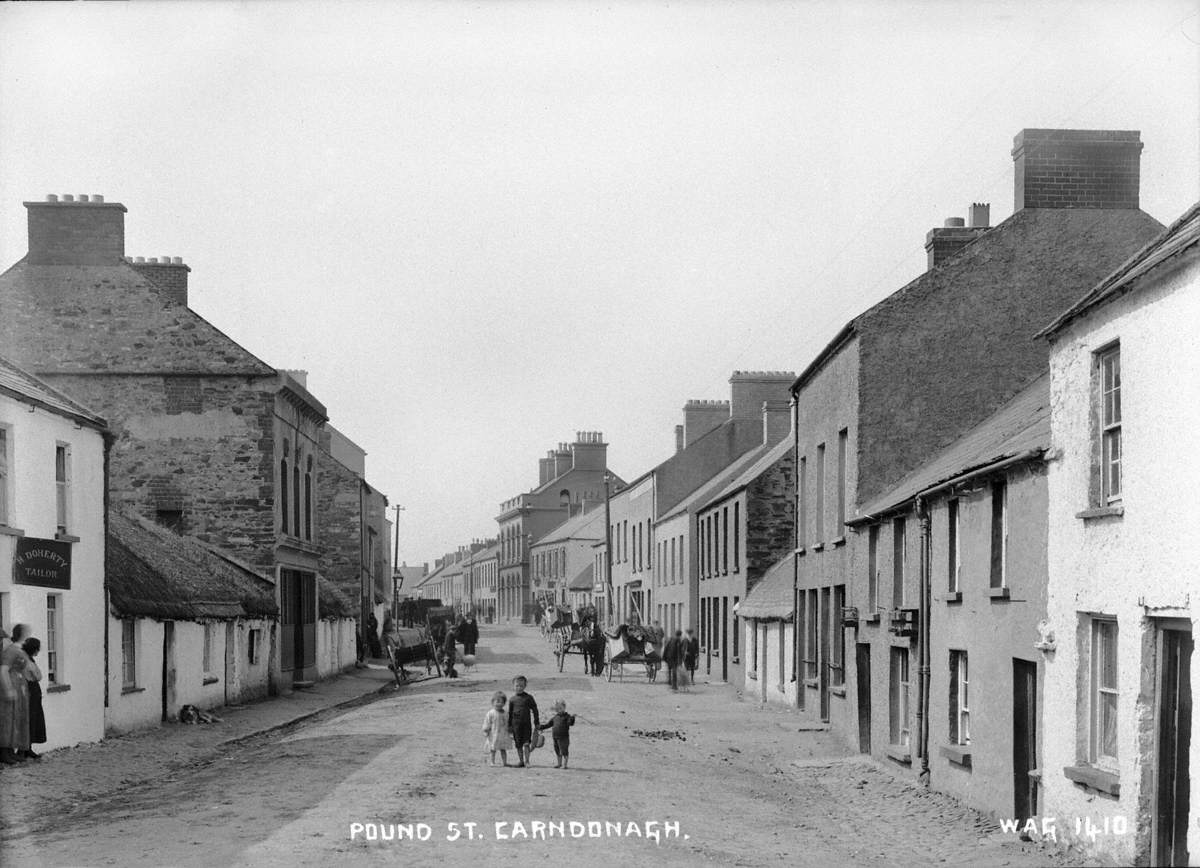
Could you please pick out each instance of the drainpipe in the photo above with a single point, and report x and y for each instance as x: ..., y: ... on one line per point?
x: 923, y: 641
x: 795, y: 555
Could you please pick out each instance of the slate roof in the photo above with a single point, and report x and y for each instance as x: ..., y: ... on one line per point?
x: 88, y: 318
x: 585, y: 580
x: 1020, y: 427
x: 587, y: 526
x: 772, y: 599
x: 704, y: 493
x: 1180, y: 236
x: 764, y: 463
x: 155, y: 573
x: 28, y: 388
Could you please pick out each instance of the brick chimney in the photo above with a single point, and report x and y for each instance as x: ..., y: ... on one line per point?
x: 562, y: 460
x: 700, y: 417
x: 589, y: 451
x: 169, y: 274
x: 777, y: 420
x: 748, y: 390
x: 1077, y: 168
x: 944, y: 242
x: 546, y: 468
x: 83, y: 230
x: 678, y: 438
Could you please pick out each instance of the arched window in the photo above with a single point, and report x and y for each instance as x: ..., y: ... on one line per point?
x: 296, y: 495
x: 283, y: 487
x: 564, y: 497
x: 308, y: 475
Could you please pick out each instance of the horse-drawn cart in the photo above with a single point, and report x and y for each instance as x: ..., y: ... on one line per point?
x: 628, y: 644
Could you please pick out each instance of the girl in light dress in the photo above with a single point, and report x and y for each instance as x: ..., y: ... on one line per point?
x: 495, y: 729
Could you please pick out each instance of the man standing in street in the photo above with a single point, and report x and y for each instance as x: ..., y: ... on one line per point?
x: 691, y: 656
x: 672, y: 657
x: 469, y: 634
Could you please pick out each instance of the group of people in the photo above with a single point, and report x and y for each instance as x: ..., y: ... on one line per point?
x: 681, y: 655
x: 22, y: 720
x: 466, y: 633
x: 515, y: 728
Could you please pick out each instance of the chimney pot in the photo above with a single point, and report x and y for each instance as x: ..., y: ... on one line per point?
x: 139, y: 259
x: 177, y: 260
x: 83, y: 197
x: 980, y: 215
x: 67, y: 197
x: 954, y: 223
x: 51, y: 197
x: 153, y: 260
x: 97, y: 198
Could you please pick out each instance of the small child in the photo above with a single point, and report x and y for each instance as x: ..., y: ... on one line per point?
x: 561, y: 723
x: 495, y: 729
x: 522, y: 720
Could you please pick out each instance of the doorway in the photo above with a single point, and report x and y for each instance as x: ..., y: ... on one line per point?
x: 1173, y: 725
x: 1025, y: 802
x: 168, y: 670
x: 824, y: 627
x: 862, y: 669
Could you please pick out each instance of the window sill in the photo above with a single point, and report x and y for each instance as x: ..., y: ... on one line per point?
x: 818, y: 547
x: 1094, y: 778
x: 5, y: 530
x: 998, y: 593
x: 872, y: 618
x: 753, y: 676
x: 839, y: 690
x: 212, y: 679
x: 838, y: 541
x: 125, y: 690
x: 800, y: 551
x: 66, y: 537
x: 899, y: 753
x: 959, y: 754
x: 736, y: 661
x: 58, y: 688
x: 1101, y: 512
x: 810, y: 682
x: 952, y: 597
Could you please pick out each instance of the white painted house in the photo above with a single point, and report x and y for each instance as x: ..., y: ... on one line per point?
x: 52, y: 486
x: 1124, y: 559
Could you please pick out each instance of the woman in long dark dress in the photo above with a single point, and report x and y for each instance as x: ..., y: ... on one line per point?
x: 33, y: 679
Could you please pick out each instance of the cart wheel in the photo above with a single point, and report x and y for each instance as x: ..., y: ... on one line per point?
x: 562, y: 653
x: 608, y: 664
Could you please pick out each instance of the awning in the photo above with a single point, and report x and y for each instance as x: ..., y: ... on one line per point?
x: 771, y: 599
x: 584, y: 580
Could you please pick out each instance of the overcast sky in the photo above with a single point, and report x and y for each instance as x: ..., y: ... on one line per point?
x: 482, y: 227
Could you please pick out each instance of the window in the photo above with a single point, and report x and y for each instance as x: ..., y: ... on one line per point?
x: 736, y: 648
x: 837, y: 662
x: 700, y: 540
x: 802, y: 507
x: 296, y: 495
x: 782, y: 661
x: 1103, y: 715
x: 625, y: 543
x: 999, y: 534
x: 843, y: 435
x: 171, y: 519
x: 128, y: 653
x: 960, y: 713
x: 308, y: 498
x: 704, y: 624
x: 283, y: 488
x: 819, y: 508
x: 737, y: 535
x: 649, y: 545
x: 208, y: 643
x: 752, y: 663
x: 725, y: 541
x: 53, y: 638
x: 899, y: 561
x: 62, y: 483
x: 1109, y: 362
x: 873, y: 569
x: 810, y: 636
x: 252, y: 649
x: 5, y: 474
x: 673, y: 540
x: 898, y: 698
x: 954, y: 555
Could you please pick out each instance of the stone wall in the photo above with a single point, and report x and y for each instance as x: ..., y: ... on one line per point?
x: 771, y: 518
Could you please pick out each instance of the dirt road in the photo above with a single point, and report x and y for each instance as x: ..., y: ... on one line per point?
x: 679, y: 779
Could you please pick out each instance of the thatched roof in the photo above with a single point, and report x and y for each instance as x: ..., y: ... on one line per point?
x: 155, y: 573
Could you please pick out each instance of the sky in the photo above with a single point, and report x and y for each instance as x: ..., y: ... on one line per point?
x: 483, y: 227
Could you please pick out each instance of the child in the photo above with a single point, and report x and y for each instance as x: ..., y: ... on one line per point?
x: 521, y: 707
x: 495, y: 728
x: 562, y: 723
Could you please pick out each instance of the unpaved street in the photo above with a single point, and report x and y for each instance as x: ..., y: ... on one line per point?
x: 743, y: 786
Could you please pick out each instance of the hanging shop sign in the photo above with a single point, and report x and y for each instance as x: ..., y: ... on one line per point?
x: 45, y: 563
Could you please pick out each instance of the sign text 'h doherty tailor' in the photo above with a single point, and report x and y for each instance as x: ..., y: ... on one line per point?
x: 42, y: 562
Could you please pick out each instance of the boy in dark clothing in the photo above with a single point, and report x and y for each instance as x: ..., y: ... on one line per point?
x: 561, y: 723
x: 521, y: 708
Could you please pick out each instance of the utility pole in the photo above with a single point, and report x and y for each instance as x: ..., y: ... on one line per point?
x: 608, y: 559
x: 396, y: 563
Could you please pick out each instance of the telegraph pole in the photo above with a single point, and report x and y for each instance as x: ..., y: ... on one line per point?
x: 608, y: 558
x: 396, y: 562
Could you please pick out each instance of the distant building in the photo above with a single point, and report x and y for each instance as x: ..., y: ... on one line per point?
x: 53, y: 454
x: 561, y: 556
x: 1120, y: 673
x: 482, y: 571
x: 567, y: 477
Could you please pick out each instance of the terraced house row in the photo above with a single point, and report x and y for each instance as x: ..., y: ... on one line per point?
x: 958, y: 536
x: 203, y: 534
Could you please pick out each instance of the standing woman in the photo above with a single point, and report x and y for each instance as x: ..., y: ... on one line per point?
x: 33, y: 677
x: 14, y: 700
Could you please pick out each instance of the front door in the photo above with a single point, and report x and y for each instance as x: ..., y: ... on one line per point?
x: 862, y: 669
x: 168, y: 670
x: 1024, y: 739
x: 724, y: 638
x: 823, y: 628
x: 1174, y: 727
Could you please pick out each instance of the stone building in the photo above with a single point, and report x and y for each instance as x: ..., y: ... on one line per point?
x: 966, y: 535
x: 565, y: 552
x: 483, y: 570
x: 911, y: 375
x: 1119, y: 674
x: 567, y: 477
x: 53, y: 455
x: 209, y: 440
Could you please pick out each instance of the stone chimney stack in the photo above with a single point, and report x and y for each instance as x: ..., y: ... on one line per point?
x: 546, y: 468
x: 562, y: 460
x: 1076, y: 168
x: 700, y: 417
x: 169, y: 274
x: 748, y: 390
x: 777, y: 420
x: 589, y: 451
x: 943, y: 243
x: 83, y: 230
